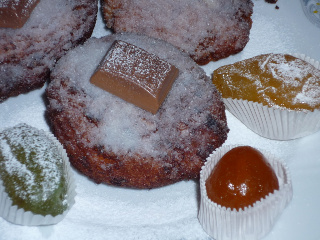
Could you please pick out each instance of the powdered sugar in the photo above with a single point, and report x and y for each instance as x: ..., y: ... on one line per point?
x: 143, y: 69
x: 310, y: 92
x: 14, y: 3
x: 125, y: 128
x: 30, y: 158
x: 279, y: 80
x: 37, y: 30
x: 189, y: 25
x: 298, y: 75
x: 28, y: 53
x: 288, y: 72
x: 7, y: 3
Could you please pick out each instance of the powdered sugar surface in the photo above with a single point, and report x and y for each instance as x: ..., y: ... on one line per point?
x: 39, y: 153
x: 38, y: 28
x: 136, y: 66
x: 278, y: 80
x: 185, y: 24
x: 298, y: 75
x: 54, y: 27
x: 124, y: 128
x: 14, y: 3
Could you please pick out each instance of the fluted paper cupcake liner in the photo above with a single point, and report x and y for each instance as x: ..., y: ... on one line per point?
x: 19, y: 216
x: 275, y: 123
x: 254, y: 222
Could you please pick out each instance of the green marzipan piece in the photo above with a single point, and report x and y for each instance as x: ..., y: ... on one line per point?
x: 32, y: 201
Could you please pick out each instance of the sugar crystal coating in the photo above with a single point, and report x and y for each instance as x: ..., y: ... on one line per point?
x: 135, y: 75
x: 113, y: 141
x: 28, y: 54
x: 206, y: 29
x: 32, y: 170
x: 14, y: 13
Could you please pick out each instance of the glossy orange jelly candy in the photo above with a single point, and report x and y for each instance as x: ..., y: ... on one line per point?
x: 240, y: 178
x: 274, y: 80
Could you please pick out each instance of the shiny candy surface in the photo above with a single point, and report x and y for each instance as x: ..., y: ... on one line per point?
x: 241, y: 177
x: 274, y: 80
x: 135, y: 75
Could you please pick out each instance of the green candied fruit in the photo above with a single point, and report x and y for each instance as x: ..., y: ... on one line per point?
x: 32, y: 171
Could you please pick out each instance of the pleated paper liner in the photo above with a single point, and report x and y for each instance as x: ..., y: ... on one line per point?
x: 254, y: 222
x: 275, y: 123
x: 19, y: 216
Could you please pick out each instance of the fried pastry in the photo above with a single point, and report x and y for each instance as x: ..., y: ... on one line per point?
x: 115, y: 142
x: 207, y: 30
x: 28, y: 54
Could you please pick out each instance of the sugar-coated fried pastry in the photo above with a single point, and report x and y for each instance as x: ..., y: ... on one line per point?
x: 115, y: 142
x: 206, y: 29
x: 28, y: 54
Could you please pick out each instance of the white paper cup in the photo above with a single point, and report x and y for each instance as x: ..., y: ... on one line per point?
x: 19, y: 216
x: 254, y: 222
x: 275, y: 123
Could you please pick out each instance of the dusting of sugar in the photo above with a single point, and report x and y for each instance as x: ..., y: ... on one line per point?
x: 186, y: 24
x: 16, y: 3
x: 142, y: 69
x: 290, y: 73
x: 37, y: 153
x: 264, y: 63
x: 310, y: 92
x: 297, y: 74
x: 53, y: 27
x: 20, y: 170
x: 7, y: 3
x: 123, y: 128
x: 279, y: 80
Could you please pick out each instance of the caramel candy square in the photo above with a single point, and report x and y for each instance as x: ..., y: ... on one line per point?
x: 15, y: 13
x: 135, y: 75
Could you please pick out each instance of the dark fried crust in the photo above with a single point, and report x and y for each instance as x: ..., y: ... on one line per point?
x: 72, y: 125
x: 23, y: 65
x: 134, y: 172
x: 210, y: 47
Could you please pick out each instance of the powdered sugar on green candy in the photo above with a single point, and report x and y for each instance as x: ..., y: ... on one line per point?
x: 32, y: 170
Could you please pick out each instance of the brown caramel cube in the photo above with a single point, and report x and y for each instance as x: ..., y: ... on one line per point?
x: 15, y: 13
x: 135, y: 75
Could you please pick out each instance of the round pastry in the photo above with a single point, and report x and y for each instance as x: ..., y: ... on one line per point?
x: 28, y: 54
x: 206, y: 29
x: 115, y: 142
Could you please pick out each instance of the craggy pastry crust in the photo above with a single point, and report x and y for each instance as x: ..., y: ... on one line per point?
x: 28, y: 54
x: 207, y: 30
x: 117, y: 143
